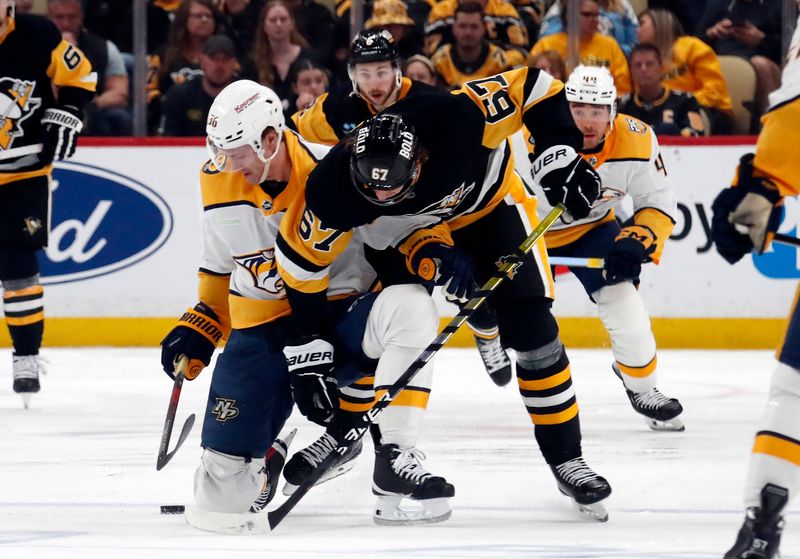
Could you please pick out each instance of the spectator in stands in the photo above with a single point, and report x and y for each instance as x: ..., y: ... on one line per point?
x: 310, y: 79
x: 471, y: 56
x: 420, y: 68
x: 504, y: 26
x: 316, y: 24
x: 670, y: 113
x: 278, y: 45
x: 392, y: 15
x: 617, y: 19
x: 195, y: 21
x: 107, y: 114
x: 596, y: 49
x: 186, y: 105
x: 690, y: 65
x: 688, y: 12
x: 551, y: 62
x: 23, y: 6
x: 239, y: 21
x: 751, y: 30
x: 531, y: 12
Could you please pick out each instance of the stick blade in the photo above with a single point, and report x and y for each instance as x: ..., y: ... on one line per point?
x: 227, y: 523
x: 163, y: 459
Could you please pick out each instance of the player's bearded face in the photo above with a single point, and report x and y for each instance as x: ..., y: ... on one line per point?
x: 592, y: 121
x: 376, y: 82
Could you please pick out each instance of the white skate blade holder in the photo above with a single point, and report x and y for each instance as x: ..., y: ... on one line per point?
x: 674, y: 424
x: 231, y: 524
x: 26, y: 399
x: 389, y: 512
x: 336, y: 471
x: 595, y: 511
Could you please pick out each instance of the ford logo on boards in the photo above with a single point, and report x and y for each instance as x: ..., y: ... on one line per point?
x: 101, y: 222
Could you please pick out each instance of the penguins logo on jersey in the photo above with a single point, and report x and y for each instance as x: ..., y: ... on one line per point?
x: 446, y: 204
x: 261, y: 266
x: 16, y: 105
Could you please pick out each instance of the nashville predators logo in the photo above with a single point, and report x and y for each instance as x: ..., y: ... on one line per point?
x: 225, y: 409
x: 16, y: 105
x: 262, y: 269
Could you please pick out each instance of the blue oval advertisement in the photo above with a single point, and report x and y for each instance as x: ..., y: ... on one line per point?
x: 101, y: 222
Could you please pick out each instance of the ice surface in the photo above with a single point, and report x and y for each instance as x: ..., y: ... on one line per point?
x: 78, y: 477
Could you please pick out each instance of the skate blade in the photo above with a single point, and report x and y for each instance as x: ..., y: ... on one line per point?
x: 674, y: 424
x: 337, y: 471
x: 227, y: 523
x: 390, y: 512
x: 26, y: 399
x: 595, y: 511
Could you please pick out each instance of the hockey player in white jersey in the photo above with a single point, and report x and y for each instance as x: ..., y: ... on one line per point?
x: 753, y: 204
x: 625, y: 153
x: 257, y: 169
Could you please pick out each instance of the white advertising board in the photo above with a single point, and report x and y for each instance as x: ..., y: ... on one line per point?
x: 125, y: 240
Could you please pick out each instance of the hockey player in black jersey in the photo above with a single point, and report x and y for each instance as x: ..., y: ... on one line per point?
x: 434, y: 177
x: 37, y: 126
x: 377, y: 83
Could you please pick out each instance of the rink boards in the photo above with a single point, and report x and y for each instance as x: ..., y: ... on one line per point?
x: 126, y: 241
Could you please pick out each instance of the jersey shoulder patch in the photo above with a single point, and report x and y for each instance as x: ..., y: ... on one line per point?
x: 632, y: 139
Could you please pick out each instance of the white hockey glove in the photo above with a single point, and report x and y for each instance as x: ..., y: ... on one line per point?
x: 61, y: 129
x: 310, y: 363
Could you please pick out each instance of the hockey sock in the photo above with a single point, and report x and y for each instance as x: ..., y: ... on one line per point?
x: 545, y: 384
x: 23, y: 306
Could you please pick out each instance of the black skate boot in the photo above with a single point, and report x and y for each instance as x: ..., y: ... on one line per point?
x: 495, y: 359
x: 273, y: 464
x: 26, y: 376
x: 399, y: 474
x: 580, y: 483
x: 760, y: 535
x: 661, y: 413
x: 301, y: 464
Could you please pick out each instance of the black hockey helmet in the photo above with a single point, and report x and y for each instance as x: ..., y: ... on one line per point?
x: 373, y: 45
x: 385, y: 156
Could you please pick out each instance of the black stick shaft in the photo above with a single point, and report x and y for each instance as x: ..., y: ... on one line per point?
x: 506, y: 269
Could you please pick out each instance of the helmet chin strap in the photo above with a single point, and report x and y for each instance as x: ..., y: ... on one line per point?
x: 269, y: 159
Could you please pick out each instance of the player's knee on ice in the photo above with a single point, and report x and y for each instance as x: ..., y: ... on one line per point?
x: 226, y: 483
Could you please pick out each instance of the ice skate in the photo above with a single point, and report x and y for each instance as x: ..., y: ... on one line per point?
x: 273, y: 464
x: 300, y: 466
x: 760, y: 535
x: 399, y: 475
x: 661, y: 413
x: 26, y: 376
x: 587, y: 490
x: 495, y: 359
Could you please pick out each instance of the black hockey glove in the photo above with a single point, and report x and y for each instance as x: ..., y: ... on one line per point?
x: 196, y: 336
x: 567, y: 179
x: 447, y: 266
x: 310, y: 362
x: 632, y: 247
x: 745, y: 215
x: 61, y: 129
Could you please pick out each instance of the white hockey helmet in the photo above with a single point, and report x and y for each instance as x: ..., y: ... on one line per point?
x: 238, y: 117
x: 592, y: 85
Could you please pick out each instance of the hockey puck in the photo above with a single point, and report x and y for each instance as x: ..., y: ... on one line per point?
x: 172, y: 509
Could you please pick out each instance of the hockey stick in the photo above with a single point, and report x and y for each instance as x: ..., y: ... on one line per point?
x: 506, y: 267
x: 163, y: 455
x: 786, y: 239
x: 576, y: 261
